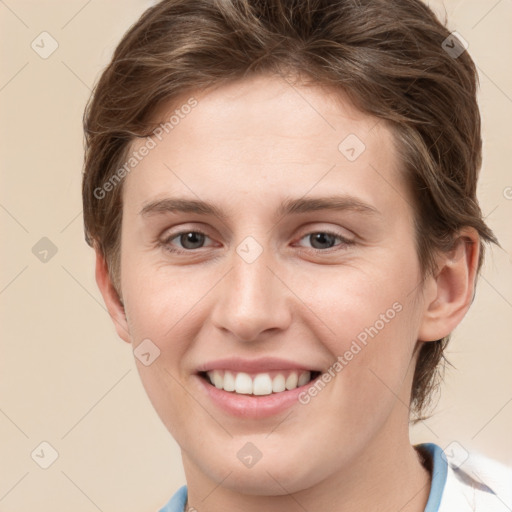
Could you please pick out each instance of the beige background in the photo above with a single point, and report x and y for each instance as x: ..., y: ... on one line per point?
x: 65, y: 378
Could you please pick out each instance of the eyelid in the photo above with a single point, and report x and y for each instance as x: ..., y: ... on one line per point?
x: 317, y: 227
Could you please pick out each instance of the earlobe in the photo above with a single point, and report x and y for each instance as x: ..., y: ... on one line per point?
x: 112, y: 300
x: 452, y: 286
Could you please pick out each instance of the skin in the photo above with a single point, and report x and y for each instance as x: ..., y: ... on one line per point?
x: 246, y: 147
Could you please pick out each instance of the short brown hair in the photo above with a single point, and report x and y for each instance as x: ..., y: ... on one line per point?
x: 387, y: 55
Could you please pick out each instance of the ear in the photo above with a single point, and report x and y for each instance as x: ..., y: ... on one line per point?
x: 111, y: 297
x: 450, y: 291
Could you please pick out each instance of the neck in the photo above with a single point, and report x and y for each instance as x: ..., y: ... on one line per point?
x: 387, y: 479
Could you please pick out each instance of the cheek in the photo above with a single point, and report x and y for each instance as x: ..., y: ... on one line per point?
x: 369, y: 323
x: 160, y: 301
x: 352, y: 304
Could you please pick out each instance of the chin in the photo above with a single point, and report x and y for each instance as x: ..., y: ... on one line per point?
x: 273, y: 476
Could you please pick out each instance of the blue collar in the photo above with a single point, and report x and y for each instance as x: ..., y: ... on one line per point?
x: 177, y: 502
x: 439, y: 474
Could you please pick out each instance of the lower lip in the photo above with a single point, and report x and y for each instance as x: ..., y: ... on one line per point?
x: 253, y: 406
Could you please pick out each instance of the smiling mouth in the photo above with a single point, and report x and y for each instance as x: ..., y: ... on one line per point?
x: 258, y: 384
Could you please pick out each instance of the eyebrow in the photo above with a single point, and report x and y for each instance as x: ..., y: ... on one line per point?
x: 287, y: 207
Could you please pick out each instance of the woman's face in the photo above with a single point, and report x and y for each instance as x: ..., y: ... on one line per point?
x: 300, y: 250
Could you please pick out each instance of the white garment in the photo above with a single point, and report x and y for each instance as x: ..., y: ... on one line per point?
x: 476, y: 484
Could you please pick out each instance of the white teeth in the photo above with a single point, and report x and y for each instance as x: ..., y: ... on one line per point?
x: 217, y: 379
x: 304, y: 379
x: 291, y: 381
x: 229, y: 381
x: 278, y: 384
x: 243, y: 383
x: 261, y: 384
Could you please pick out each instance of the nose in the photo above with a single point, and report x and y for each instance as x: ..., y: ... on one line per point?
x: 252, y: 299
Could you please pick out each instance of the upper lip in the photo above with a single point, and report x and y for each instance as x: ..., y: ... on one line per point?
x: 259, y: 365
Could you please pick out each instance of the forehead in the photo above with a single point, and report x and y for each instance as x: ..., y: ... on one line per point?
x: 264, y: 136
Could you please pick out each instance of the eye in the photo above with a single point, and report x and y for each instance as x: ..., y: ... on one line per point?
x: 194, y: 239
x: 189, y: 241
x: 321, y: 240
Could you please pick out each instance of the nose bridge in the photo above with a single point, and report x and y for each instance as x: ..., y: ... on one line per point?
x: 251, y: 278
x: 251, y: 300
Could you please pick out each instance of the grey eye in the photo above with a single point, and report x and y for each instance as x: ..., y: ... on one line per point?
x: 191, y: 239
x: 320, y: 239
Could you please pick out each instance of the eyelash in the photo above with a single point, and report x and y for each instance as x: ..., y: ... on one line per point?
x: 166, y: 242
